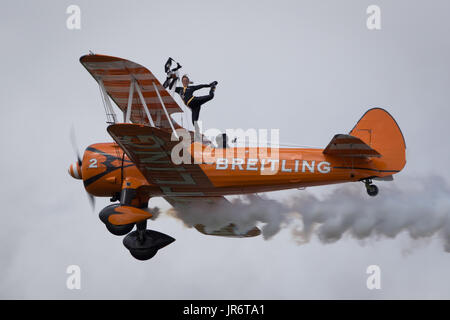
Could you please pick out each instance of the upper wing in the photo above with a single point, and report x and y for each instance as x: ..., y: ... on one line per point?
x: 345, y: 145
x: 209, y: 206
x: 150, y: 150
x: 117, y: 74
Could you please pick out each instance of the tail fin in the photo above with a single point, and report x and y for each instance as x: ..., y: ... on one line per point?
x: 378, y: 129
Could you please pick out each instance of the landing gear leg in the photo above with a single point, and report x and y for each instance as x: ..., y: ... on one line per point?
x: 144, y: 244
x: 141, y: 227
x: 372, y: 190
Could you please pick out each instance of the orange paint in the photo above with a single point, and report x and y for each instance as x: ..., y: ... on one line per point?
x: 127, y: 215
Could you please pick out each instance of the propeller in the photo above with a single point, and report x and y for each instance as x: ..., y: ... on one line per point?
x: 73, y: 141
x: 91, y: 200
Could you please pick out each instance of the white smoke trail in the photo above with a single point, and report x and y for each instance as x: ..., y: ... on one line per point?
x: 419, y: 207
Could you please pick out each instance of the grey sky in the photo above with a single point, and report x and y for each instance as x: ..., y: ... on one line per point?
x: 309, y: 68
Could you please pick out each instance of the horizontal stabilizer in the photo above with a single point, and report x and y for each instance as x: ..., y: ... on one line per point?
x: 345, y: 145
x: 229, y: 231
x: 385, y: 178
x: 210, y: 205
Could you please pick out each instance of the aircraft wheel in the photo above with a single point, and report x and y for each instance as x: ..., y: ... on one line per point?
x: 119, y: 230
x: 144, y: 244
x: 115, y: 230
x: 143, y: 254
x: 372, y: 190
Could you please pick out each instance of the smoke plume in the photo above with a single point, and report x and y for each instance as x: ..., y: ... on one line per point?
x: 419, y: 207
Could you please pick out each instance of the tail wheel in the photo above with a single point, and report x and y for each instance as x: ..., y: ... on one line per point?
x: 372, y: 190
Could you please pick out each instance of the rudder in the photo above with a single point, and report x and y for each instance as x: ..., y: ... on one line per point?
x: 378, y: 129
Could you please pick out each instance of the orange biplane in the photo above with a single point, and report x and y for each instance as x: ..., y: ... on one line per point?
x: 139, y: 163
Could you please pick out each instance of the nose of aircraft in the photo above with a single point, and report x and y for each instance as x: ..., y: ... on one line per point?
x: 75, y: 170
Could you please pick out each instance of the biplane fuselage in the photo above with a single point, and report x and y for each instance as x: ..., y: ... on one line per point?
x: 104, y: 172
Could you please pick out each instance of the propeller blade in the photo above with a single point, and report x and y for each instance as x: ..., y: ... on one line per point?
x: 73, y: 140
x: 91, y: 200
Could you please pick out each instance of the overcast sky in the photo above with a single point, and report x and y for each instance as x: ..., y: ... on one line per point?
x: 309, y: 68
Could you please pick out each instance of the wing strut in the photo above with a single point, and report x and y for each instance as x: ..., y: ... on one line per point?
x: 110, y: 115
x: 138, y: 89
x: 165, y: 110
x: 130, y: 100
